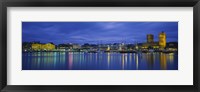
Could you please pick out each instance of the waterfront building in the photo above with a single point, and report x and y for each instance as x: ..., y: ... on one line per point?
x: 36, y: 46
x: 162, y: 40
x: 136, y: 46
x: 63, y: 46
x: 48, y: 46
x: 150, y: 44
x: 108, y: 48
x: 115, y: 46
x: 172, y: 46
x: 76, y: 46
x: 43, y: 47
x: 26, y: 46
x: 120, y: 47
x: 68, y: 47
x: 154, y: 45
x: 150, y: 38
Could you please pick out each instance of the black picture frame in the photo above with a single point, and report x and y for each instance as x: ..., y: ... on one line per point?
x: 98, y: 3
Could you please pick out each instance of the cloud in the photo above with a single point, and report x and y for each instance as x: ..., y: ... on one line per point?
x: 109, y: 25
x: 86, y: 32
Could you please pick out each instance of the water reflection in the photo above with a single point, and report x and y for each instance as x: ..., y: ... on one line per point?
x: 108, y: 60
x: 136, y: 60
x: 99, y: 61
x: 163, y: 61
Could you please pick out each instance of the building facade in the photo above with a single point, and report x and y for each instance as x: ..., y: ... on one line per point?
x: 162, y: 40
x: 150, y: 44
x: 150, y: 38
x: 43, y: 47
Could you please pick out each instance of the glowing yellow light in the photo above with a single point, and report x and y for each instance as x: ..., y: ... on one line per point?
x: 162, y: 40
x: 163, y: 61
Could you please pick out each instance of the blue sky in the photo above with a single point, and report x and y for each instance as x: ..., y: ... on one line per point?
x: 96, y: 32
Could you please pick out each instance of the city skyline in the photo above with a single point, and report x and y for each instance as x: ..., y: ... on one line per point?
x: 97, y: 32
x: 100, y: 46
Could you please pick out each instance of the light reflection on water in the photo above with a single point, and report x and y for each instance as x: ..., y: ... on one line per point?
x: 99, y: 61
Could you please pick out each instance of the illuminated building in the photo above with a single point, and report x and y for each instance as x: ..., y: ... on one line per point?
x: 108, y: 48
x: 36, y: 46
x: 162, y: 40
x: 153, y: 45
x: 150, y: 43
x: 120, y: 47
x: 45, y: 47
x: 48, y: 46
x: 76, y: 46
x: 150, y: 38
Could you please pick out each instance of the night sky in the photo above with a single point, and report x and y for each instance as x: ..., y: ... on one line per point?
x: 96, y: 32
